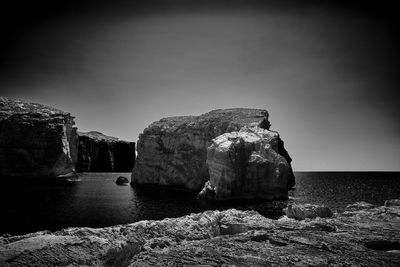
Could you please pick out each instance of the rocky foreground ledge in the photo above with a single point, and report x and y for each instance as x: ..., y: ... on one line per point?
x: 364, y: 235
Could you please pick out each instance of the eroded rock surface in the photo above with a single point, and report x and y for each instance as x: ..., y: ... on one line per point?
x: 101, y: 153
x: 36, y: 140
x: 304, y: 211
x: 246, y: 164
x: 366, y: 237
x: 173, y: 151
x: 392, y: 202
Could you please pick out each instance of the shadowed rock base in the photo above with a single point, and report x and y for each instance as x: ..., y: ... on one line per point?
x: 101, y: 153
x: 122, y: 181
x: 358, y: 237
x: 36, y: 141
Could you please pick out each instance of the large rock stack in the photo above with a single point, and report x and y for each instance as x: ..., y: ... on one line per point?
x: 36, y: 140
x: 246, y: 164
x: 173, y: 152
x: 102, y: 153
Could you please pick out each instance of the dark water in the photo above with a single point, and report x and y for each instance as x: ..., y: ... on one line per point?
x: 96, y: 200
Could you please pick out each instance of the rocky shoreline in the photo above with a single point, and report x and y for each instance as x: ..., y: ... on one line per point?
x: 41, y: 142
x: 224, y: 154
x: 363, y: 235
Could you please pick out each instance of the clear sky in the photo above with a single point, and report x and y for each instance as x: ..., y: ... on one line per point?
x: 327, y: 73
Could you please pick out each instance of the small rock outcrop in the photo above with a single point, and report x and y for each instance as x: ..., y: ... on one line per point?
x: 36, y: 140
x: 173, y: 152
x: 101, y: 153
x: 369, y: 237
x: 122, y: 180
x: 362, y: 205
x: 301, y: 212
x: 392, y: 202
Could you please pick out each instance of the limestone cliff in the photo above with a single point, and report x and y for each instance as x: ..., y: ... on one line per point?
x: 173, y: 151
x: 36, y: 140
x: 246, y: 164
x: 101, y: 153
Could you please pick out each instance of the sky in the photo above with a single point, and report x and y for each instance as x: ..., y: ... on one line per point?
x: 327, y: 72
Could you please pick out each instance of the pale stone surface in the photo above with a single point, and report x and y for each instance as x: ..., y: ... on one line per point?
x: 367, y: 237
x: 36, y: 140
x: 301, y: 212
x: 173, y: 151
x: 392, y: 202
x: 246, y: 164
x: 362, y: 205
x: 98, y: 152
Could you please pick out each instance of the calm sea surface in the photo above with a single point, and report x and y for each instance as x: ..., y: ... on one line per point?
x: 96, y: 200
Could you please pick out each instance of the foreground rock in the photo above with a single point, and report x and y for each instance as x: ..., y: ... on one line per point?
x: 101, y: 153
x: 36, y: 140
x: 364, y: 237
x: 392, y: 202
x: 173, y: 152
x: 302, y: 212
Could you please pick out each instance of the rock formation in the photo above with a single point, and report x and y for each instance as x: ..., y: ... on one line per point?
x: 36, y: 140
x: 246, y: 164
x: 122, y: 180
x: 173, y: 152
x: 361, y: 237
x: 302, y: 212
x: 101, y: 153
x: 392, y: 202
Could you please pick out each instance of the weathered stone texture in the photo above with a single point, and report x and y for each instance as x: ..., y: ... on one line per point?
x: 302, y: 212
x: 363, y: 237
x: 173, y: 151
x: 36, y: 140
x: 246, y: 164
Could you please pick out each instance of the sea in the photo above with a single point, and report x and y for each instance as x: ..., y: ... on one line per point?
x: 97, y: 201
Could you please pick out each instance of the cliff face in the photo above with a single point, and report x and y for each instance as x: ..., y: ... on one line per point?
x: 36, y: 140
x: 173, y: 151
x: 246, y: 164
x: 101, y: 153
